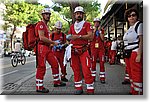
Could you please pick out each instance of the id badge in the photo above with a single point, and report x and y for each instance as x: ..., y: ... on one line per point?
x: 57, y: 50
x: 96, y: 45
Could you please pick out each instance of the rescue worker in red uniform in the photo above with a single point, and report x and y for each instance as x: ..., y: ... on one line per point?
x: 59, y: 50
x: 45, y: 54
x: 79, y: 33
x: 109, y: 48
x: 133, y: 51
x: 98, y: 51
x: 113, y: 52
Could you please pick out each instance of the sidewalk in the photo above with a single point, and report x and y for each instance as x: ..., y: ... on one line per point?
x: 113, y: 86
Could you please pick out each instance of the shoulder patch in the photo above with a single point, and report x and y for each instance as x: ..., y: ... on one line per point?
x: 41, y: 26
x: 91, y: 27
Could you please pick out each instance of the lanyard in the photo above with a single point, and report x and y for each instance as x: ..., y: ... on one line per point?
x: 97, y: 33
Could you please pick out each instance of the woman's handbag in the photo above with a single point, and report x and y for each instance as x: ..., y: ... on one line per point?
x: 127, y: 53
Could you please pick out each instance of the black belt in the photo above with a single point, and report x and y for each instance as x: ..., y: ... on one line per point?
x: 132, y: 43
x: 132, y: 48
x: 43, y: 44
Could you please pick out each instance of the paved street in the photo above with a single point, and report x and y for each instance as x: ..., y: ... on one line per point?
x: 21, y: 80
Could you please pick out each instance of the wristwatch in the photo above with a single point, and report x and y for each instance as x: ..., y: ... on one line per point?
x: 80, y: 36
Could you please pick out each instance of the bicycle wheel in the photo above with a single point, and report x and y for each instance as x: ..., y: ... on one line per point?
x: 23, y: 60
x: 14, y: 61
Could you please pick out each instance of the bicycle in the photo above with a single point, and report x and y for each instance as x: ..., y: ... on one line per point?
x: 18, y: 57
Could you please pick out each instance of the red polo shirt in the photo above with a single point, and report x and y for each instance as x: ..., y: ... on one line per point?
x: 42, y: 26
x: 85, y: 29
x: 57, y: 36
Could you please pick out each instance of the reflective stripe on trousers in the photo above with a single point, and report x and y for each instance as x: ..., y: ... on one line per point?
x: 78, y: 84
x: 56, y: 77
x: 138, y: 87
x: 39, y: 84
x: 126, y: 76
x: 90, y: 86
x: 93, y: 73
x: 102, y: 74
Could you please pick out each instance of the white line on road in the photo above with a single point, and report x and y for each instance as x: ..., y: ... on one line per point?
x: 8, y: 73
x: 9, y: 65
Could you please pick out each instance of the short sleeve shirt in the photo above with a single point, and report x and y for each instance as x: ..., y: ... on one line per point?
x: 131, y: 36
x: 42, y: 26
x: 85, y: 29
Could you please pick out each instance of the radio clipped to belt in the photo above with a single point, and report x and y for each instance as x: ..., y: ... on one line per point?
x: 79, y: 49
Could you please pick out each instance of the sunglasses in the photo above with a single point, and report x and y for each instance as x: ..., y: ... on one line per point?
x: 133, y: 15
x: 58, y: 29
x: 47, y: 13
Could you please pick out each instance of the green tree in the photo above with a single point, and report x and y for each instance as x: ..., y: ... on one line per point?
x: 55, y: 16
x: 20, y: 13
x: 66, y: 8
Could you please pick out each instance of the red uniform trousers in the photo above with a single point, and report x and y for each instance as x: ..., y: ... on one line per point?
x: 45, y: 54
x: 112, y: 56
x: 135, y: 71
x: 60, y: 57
x: 84, y: 61
x: 97, y: 53
x: 127, y: 78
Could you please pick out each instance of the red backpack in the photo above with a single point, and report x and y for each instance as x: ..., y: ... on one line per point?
x: 29, y: 37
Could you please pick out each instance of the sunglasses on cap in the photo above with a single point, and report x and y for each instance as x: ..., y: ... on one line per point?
x: 58, y: 28
x: 133, y: 15
x: 47, y: 13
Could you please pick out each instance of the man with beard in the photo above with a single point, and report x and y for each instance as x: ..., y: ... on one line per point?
x: 45, y: 53
x: 79, y: 34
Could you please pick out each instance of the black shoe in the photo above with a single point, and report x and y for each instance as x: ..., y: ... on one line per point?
x: 44, y: 90
x: 64, y: 79
x: 90, y: 93
x: 130, y: 93
x: 103, y: 81
x: 60, y: 84
x: 78, y: 92
x: 125, y: 82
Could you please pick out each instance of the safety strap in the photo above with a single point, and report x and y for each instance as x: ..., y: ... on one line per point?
x: 63, y: 35
x: 131, y: 44
x: 137, y: 25
x: 133, y: 48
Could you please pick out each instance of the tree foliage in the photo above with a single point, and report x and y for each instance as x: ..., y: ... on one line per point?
x: 20, y: 13
x: 66, y: 8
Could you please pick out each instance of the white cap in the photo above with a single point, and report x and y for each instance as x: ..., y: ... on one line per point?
x: 96, y: 19
x: 46, y: 10
x: 79, y: 9
x: 58, y: 25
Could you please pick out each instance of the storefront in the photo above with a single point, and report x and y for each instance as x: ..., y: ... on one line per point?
x: 113, y: 20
